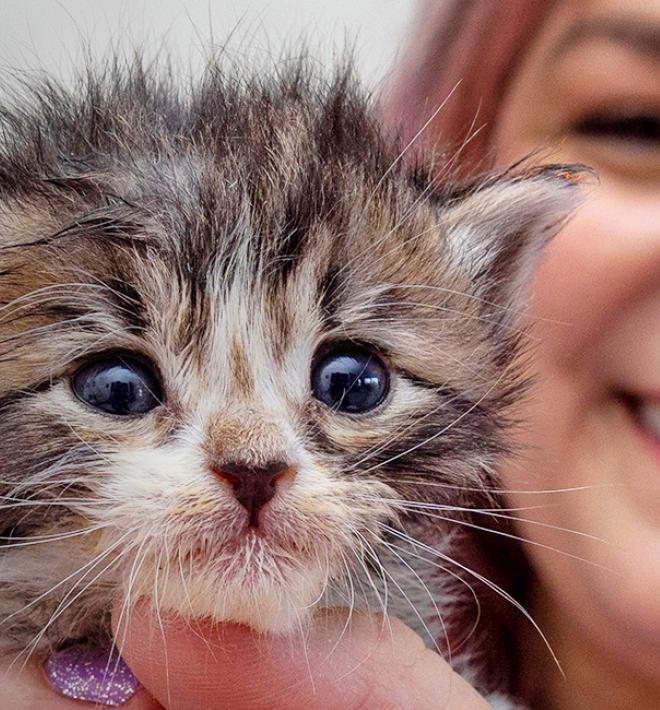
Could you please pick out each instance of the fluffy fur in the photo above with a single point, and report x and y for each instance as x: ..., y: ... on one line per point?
x: 227, y: 233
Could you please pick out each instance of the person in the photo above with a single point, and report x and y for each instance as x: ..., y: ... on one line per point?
x: 563, y: 82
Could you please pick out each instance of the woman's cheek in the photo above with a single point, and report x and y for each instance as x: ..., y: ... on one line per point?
x: 595, y: 331
x: 606, y: 256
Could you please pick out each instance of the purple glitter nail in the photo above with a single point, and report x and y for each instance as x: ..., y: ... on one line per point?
x: 92, y: 674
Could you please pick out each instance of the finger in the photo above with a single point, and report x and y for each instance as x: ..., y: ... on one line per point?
x: 371, y: 663
x: 27, y: 687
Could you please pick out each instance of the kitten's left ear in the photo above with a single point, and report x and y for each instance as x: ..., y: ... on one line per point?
x: 496, y: 231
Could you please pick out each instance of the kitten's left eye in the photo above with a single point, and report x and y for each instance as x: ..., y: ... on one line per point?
x: 118, y: 385
x: 351, y: 380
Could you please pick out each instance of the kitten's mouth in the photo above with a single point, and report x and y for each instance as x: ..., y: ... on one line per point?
x: 248, y: 579
x: 279, y: 534
x: 264, y: 538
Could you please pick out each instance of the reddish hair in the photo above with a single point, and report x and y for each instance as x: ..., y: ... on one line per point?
x: 461, y: 55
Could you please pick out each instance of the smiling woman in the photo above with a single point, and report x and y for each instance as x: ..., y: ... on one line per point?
x: 591, y: 89
x: 584, y: 86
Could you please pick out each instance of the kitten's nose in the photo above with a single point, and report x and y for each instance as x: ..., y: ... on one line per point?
x: 254, y: 486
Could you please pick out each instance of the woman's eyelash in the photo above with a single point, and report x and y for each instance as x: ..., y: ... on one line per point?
x: 639, y: 127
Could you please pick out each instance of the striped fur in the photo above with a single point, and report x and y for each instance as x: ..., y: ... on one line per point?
x: 227, y: 233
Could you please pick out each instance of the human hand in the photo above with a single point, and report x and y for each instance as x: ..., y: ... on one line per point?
x: 371, y: 664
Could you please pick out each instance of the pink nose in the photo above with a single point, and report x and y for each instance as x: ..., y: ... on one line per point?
x: 254, y: 486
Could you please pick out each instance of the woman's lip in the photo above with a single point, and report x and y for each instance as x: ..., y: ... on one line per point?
x: 648, y: 416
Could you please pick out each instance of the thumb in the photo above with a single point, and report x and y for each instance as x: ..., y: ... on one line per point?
x: 366, y: 662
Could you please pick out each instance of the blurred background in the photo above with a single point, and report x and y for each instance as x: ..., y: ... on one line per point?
x: 51, y: 34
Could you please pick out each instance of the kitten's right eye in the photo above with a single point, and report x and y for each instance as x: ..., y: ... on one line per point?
x: 119, y: 385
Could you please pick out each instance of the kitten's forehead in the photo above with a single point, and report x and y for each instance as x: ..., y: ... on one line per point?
x: 251, y: 216
x: 191, y: 270
x: 244, y: 295
x: 220, y: 230
x: 280, y: 189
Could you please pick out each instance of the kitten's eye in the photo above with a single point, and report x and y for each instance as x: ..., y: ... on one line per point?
x: 350, y: 380
x: 118, y: 385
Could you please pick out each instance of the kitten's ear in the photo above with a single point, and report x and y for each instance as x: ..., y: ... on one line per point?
x: 496, y: 231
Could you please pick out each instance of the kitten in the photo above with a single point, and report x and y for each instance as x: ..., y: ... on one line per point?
x: 250, y: 358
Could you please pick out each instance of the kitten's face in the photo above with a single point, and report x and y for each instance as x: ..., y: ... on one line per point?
x: 230, y: 352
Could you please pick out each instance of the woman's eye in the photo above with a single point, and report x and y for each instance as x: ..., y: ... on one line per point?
x: 350, y: 380
x: 640, y: 128
x: 620, y: 143
x: 118, y: 385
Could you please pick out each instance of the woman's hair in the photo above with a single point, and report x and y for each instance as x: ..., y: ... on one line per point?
x: 456, y: 69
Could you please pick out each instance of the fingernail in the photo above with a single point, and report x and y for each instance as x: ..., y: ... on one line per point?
x: 91, y: 674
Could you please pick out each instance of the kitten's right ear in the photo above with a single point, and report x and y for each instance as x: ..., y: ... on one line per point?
x: 496, y: 231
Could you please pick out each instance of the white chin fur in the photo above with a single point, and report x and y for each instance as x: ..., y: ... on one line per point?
x: 263, y: 602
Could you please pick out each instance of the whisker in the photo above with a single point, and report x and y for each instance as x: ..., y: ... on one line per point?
x: 365, y: 547
x: 374, y: 451
x: 27, y: 503
x: 512, y: 536
x: 49, y: 289
x: 487, y: 582
x: 417, y: 135
x: 42, y: 596
x: 392, y: 549
x: 64, y: 605
x: 473, y: 297
x: 26, y: 541
x: 161, y: 626
x: 516, y: 491
x: 457, y: 315
x: 414, y: 609
x: 461, y: 581
x: 124, y: 613
x: 491, y: 512
x: 67, y: 601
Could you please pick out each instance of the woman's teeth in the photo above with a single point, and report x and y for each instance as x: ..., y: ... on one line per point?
x: 648, y: 414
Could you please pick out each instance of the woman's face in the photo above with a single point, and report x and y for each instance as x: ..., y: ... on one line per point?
x: 589, y: 90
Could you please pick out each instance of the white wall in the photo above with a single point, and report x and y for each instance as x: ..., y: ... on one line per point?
x: 50, y: 33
